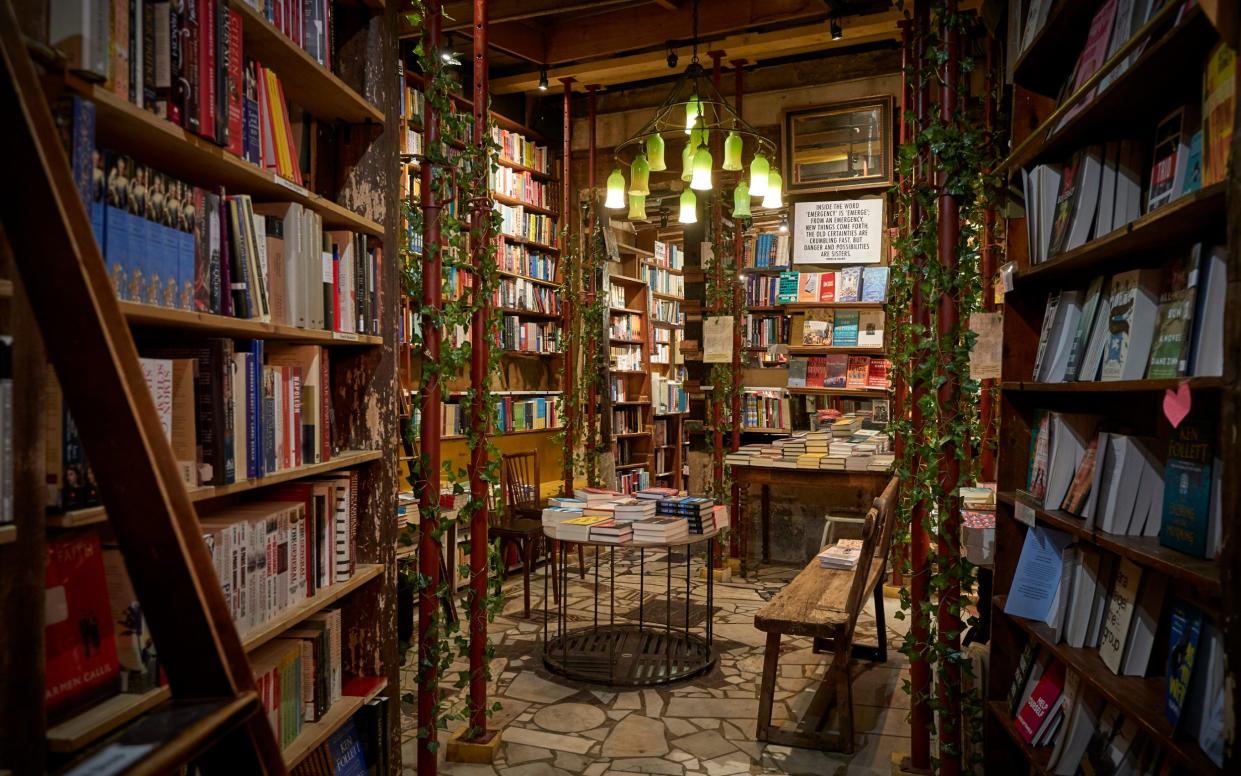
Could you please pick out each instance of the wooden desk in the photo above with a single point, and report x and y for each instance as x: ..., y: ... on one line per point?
x: 851, y: 490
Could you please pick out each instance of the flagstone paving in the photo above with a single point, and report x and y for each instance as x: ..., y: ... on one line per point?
x: 705, y: 726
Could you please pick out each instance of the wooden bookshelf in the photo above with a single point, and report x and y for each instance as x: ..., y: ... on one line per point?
x: 1113, y: 386
x: 148, y: 316
x: 94, y: 723
x: 1037, y: 757
x: 521, y: 203
x: 8, y: 534
x: 323, y: 598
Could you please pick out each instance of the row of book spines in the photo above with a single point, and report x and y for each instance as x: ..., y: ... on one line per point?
x: 515, y: 220
x: 514, y: 257
x: 521, y: 294
x: 299, y: 676
x: 522, y: 185
x: 764, y: 411
x: 512, y: 414
x: 839, y: 370
x: 633, y: 481
x: 766, y: 250
x: 528, y: 336
x: 516, y: 148
x: 851, y: 284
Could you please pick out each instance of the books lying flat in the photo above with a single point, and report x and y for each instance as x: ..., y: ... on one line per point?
x: 660, y: 530
x: 844, y: 554
x: 611, y: 532
x: 578, y: 529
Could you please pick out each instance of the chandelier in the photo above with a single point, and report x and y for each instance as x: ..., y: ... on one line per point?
x: 693, y: 113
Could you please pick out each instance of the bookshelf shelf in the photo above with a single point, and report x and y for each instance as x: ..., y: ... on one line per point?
x: 537, y: 281
x: 494, y: 434
x: 101, y: 719
x: 529, y: 313
x: 647, y: 263
x: 1043, y: 67
x: 830, y: 305
x: 316, y: 733
x: 306, y: 82
x: 1115, y: 386
x: 125, y: 127
x: 1139, y: 698
x: 1176, y: 224
x: 872, y: 393
x: 146, y: 315
x: 634, y: 250
x: 1038, y: 756
x: 8, y: 534
x: 526, y: 241
x: 547, y: 176
x: 632, y: 435
x: 528, y: 354
x: 1143, y: 550
x: 670, y: 297
x: 626, y: 310
x: 766, y: 270
x: 322, y: 599
x: 1151, y: 86
x: 627, y: 280
x: 627, y: 466
x: 820, y: 349
x: 521, y: 203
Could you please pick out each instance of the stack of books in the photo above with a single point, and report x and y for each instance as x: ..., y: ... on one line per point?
x: 554, y: 516
x: 660, y: 530
x: 578, y: 529
x: 844, y: 554
x: 655, y: 494
x: 596, y: 495
x: 611, y: 532
x: 696, y: 509
x: 627, y: 510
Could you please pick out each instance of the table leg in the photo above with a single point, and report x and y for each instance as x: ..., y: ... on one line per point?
x: 766, y: 691
x: 765, y: 517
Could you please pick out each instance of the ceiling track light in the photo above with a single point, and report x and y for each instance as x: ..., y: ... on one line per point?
x: 672, y: 57
x: 838, y: 32
x: 543, y: 78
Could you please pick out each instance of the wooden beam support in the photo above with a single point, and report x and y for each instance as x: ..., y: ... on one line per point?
x: 458, y: 15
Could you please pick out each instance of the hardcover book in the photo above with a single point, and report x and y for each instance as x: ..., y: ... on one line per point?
x: 1219, y: 89
x: 79, y: 637
x: 1163, y: 185
x: 1066, y: 203
x: 817, y: 329
x: 1183, y: 632
x: 1036, y: 711
x: 877, y: 373
x: 808, y: 288
x: 875, y: 284
x: 787, y: 290
x: 1187, y: 489
x: 797, y: 372
x: 836, y: 370
x: 870, y: 329
x: 845, y: 329
x: 1174, y: 324
x: 848, y: 284
x: 1114, y: 635
x: 858, y: 366
x: 827, y: 287
x: 1131, y: 324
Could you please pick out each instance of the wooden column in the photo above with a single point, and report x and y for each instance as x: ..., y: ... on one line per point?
x: 717, y: 228
x: 429, y: 430
x: 986, y: 408
x: 734, y: 544
x: 900, y: 386
x: 480, y: 347
x: 570, y: 357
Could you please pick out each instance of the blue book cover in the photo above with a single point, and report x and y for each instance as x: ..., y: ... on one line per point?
x: 346, y: 751
x: 1039, y: 572
x: 844, y: 329
x: 789, y: 282
x: 1185, y: 627
x: 82, y: 146
x: 116, y: 249
x: 98, y: 199
x: 875, y: 284
x: 1187, y: 489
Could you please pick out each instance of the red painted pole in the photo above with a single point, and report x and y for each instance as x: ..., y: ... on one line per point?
x: 900, y: 386
x: 429, y: 495
x: 919, y: 540
x: 570, y: 358
x: 949, y: 400
x: 480, y: 346
x: 592, y: 333
x: 717, y: 225
x: 987, y: 403
x: 734, y: 544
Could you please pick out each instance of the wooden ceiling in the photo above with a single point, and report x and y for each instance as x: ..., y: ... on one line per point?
x: 612, y: 42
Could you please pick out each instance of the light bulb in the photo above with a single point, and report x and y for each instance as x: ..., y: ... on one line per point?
x: 784, y: 225
x: 689, y: 208
x: 741, y: 200
x: 759, y: 172
x: 701, y: 178
x: 687, y: 162
x: 655, y: 152
x: 771, y: 200
x: 732, y: 152
x: 693, y: 109
x: 637, y: 207
x: 640, y: 176
x: 616, y: 190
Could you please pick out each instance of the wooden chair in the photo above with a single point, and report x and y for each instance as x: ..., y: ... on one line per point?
x: 824, y: 604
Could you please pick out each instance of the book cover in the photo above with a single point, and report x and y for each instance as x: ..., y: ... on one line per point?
x: 1033, y: 714
x: 848, y: 284
x: 836, y: 369
x: 870, y: 329
x: 877, y: 373
x: 845, y: 329
x: 1162, y: 186
x: 234, y: 85
x: 858, y: 367
x: 817, y: 328
x: 874, y: 284
x: 1219, y: 89
x: 1040, y: 442
x: 1066, y: 199
x: 816, y: 372
x: 1187, y: 488
x: 1079, y: 490
x: 1185, y: 626
x: 808, y: 288
x: 1046, y: 332
x: 787, y: 288
x: 827, y: 287
x: 134, y: 646
x: 79, y: 637
x: 1131, y: 324
x: 1085, y: 324
x: 1114, y: 634
x: 1170, y: 352
x: 797, y: 372
x: 1092, y: 55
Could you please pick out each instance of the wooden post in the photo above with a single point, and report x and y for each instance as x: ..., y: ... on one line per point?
x: 480, y: 346
x: 949, y: 395
x: 900, y: 388
x: 987, y: 403
x: 734, y: 545
x: 570, y: 357
x: 429, y: 430
x: 717, y: 228
x: 591, y: 333
x: 919, y: 541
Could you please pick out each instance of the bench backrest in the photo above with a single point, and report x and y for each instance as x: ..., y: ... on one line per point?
x: 876, y: 542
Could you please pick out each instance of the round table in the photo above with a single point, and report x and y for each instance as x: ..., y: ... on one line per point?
x: 628, y: 653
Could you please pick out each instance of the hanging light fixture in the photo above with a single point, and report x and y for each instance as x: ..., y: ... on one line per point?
x: 543, y: 78
x: 741, y: 200
x: 616, y: 190
x: 637, y: 207
x: 689, y: 208
x: 838, y: 32
x: 695, y: 110
x: 760, y: 171
x: 772, y: 200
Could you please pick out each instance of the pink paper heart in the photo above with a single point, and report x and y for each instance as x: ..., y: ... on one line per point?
x: 1176, y: 404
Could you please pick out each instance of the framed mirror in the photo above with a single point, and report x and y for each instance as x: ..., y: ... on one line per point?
x: 846, y: 145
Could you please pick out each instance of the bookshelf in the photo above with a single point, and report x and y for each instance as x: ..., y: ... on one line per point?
x: 631, y: 343
x: 662, y: 266
x: 338, y: 130
x: 1166, y: 72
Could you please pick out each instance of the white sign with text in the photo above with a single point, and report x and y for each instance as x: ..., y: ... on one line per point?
x: 846, y: 231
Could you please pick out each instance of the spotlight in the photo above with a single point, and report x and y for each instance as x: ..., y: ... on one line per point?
x: 672, y: 58
x: 784, y: 224
x: 543, y: 79
x: 447, y: 55
x: 663, y: 217
x: 837, y: 32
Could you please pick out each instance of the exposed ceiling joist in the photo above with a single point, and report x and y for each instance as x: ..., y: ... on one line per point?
x: 458, y: 14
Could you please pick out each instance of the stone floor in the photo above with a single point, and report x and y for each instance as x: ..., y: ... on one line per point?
x: 705, y: 725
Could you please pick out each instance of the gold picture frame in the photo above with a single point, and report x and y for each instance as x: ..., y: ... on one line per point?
x: 843, y: 146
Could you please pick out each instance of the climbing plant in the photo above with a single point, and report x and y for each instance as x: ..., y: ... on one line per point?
x: 721, y: 271
x: 460, y: 185
x: 945, y: 156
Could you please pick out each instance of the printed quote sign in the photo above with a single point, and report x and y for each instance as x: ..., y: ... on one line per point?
x: 847, y: 231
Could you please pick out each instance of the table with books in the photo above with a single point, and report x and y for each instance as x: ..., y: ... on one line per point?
x: 664, y: 639
x: 846, y: 463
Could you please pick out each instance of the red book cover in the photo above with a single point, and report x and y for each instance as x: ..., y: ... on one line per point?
x: 1033, y: 713
x: 877, y: 373
x: 286, y: 456
x: 288, y: 133
x: 80, y: 642
x: 816, y: 372
x: 296, y: 392
x: 327, y: 34
x: 858, y: 374
x: 827, y: 287
x: 325, y: 405
x: 206, y: 68
x: 279, y: 20
x: 837, y: 367
x: 236, y: 86
x: 304, y: 494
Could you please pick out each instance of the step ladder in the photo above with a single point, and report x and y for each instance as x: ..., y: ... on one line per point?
x: 215, y: 717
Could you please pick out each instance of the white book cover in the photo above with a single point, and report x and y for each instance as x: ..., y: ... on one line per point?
x: 1046, y: 335
x: 1057, y: 613
x: 1085, y: 577
x: 1208, y: 343
x: 1120, y: 485
x: 1088, y: 369
x: 1070, y: 434
x: 1121, y: 604
x: 1131, y: 324
x: 1144, y: 624
x: 1105, y: 213
x: 1068, y: 315
x: 1048, y: 189
x: 1098, y: 610
x: 1128, y: 184
x: 1089, y: 181
x: 1070, y: 699
x: 1028, y: 183
x: 1082, y: 725
x: 870, y: 329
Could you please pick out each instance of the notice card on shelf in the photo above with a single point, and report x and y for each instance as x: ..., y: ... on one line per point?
x: 1038, y: 573
x: 717, y: 333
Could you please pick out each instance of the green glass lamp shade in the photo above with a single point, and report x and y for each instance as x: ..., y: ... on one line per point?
x: 637, y: 207
x: 772, y: 200
x: 640, y: 176
x: 759, y: 171
x: 687, y: 162
x: 732, y: 152
x: 741, y: 200
x: 616, y: 190
x: 693, y: 109
x: 701, y: 179
x: 655, y: 153
x: 689, y: 208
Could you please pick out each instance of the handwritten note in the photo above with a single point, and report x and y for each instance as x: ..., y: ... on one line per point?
x: 1038, y: 573
x: 717, y: 333
x: 985, y: 355
x: 847, y: 231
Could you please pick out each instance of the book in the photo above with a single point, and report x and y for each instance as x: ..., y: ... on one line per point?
x: 870, y: 329
x: 1219, y: 87
x: 1076, y: 497
x: 1114, y: 635
x: 818, y: 328
x: 79, y: 634
x: 848, y: 284
x: 1081, y: 607
x: 836, y: 369
x: 1142, y: 628
x: 827, y: 287
x: 1040, y: 443
x: 877, y: 377
x: 797, y: 372
x: 1188, y: 512
x: 855, y: 376
x: 1131, y: 324
x: 874, y: 284
x: 1037, y: 576
x: 808, y: 288
x: 1085, y: 325
x: 845, y: 328
x: 1185, y: 626
x: 1025, y: 666
x: 788, y: 286
x: 1174, y: 322
x: 1163, y: 185
x: 1036, y: 712
x: 1066, y: 203
x: 1207, y: 346
x: 1092, y: 55
x: 1079, y: 729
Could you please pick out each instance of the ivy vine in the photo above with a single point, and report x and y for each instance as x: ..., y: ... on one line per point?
x: 722, y: 276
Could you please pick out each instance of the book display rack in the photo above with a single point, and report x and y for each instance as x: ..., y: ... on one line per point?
x: 1118, y: 369
x: 225, y: 262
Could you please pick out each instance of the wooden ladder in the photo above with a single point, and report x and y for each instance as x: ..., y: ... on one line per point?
x: 215, y: 716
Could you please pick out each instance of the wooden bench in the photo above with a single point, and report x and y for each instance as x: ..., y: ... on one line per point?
x: 824, y: 604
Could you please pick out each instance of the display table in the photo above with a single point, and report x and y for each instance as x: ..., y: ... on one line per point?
x: 623, y: 653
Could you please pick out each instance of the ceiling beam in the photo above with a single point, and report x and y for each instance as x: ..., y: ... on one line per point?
x: 754, y: 46
x: 632, y: 29
x: 458, y: 14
